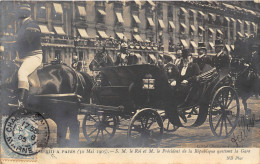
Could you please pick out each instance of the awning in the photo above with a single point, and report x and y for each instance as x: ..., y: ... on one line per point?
x: 152, y: 57
x: 82, y: 11
x: 161, y: 23
x: 219, y: 31
x: 184, y: 43
x: 119, y: 17
x: 247, y: 35
x: 120, y: 35
x: 227, y: 18
x: 194, y: 45
x: 213, y: 16
x: 193, y: 11
x: 240, y: 34
x: 228, y: 47
x: 58, y: 8
x: 138, y: 38
x: 138, y: 56
x: 211, y: 45
x: 136, y: 18
x: 232, y: 46
x: 184, y: 10
x: 172, y: 24
x: 138, y: 2
x: 229, y: 6
x: 135, y: 29
x: 211, y: 30
x: 150, y: 20
x: 201, y: 28
x: 238, y: 8
x: 44, y: 29
x: 59, y: 30
x: 83, y: 32
x: 102, y: 12
x: 201, y: 13
x: 151, y: 2
x: 193, y: 28
x: 239, y: 21
x: 253, y: 24
x: 248, y: 23
x: 103, y: 34
x: 233, y: 19
x: 183, y: 25
x: 2, y: 48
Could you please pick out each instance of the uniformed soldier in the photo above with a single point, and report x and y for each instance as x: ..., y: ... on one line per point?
x: 28, y: 45
x: 202, y: 58
x: 221, y: 59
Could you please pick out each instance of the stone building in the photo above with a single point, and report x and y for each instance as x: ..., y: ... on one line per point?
x: 151, y: 27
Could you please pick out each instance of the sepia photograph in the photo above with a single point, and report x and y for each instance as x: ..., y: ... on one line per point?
x: 130, y: 81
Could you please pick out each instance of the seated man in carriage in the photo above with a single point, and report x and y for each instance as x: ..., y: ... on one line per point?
x: 202, y: 60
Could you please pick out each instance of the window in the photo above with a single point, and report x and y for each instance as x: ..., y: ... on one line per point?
x: 211, y: 17
x: 192, y: 30
x: 170, y: 14
x: 201, y: 15
x: 57, y: 55
x: 150, y: 23
x: 219, y: 34
x: 101, y: 15
x: 161, y: 24
x: 226, y: 21
x: 201, y: 30
x: 239, y: 23
x: 57, y: 11
x: 192, y: 14
x: 81, y: 12
x: 193, y: 46
x: 171, y: 26
x: 218, y: 20
x: 41, y: 11
x: 183, y: 28
x: 119, y: 17
x: 81, y: 56
x: 211, y: 32
x: 135, y: 20
x: 183, y: 12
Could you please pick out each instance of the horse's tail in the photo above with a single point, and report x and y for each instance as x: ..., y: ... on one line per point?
x: 88, y: 87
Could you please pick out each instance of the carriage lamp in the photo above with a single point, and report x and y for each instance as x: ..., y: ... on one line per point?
x: 148, y: 82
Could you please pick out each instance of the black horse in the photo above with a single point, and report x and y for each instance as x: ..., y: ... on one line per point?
x: 101, y: 59
x: 52, y: 80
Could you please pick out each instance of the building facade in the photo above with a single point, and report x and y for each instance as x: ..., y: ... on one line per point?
x: 150, y: 27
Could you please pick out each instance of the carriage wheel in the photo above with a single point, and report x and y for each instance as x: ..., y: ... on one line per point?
x: 99, y: 128
x: 168, y: 126
x: 145, y: 129
x: 224, y: 112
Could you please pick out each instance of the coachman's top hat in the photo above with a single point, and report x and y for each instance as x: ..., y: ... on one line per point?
x: 201, y: 45
x: 219, y: 43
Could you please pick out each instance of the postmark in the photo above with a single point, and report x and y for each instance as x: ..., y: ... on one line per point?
x: 26, y: 133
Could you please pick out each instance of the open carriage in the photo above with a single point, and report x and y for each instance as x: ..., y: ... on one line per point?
x: 144, y: 94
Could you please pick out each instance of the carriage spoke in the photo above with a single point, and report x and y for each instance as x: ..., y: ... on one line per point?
x: 229, y: 121
x: 226, y: 97
x: 226, y: 127
x: 108, y: 133
x: 231, y: 99
x: 92, y: 132
x: 153, y: 120
x: 168, y: 124
x: 146, y: 123
x: 97, y: 135
x: 221, y: 126
x: 232, y: 107
x: 218, y: 123
x: 92, y: 118
x: 102, y: 135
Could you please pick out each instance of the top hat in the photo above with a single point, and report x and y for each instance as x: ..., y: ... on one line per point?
x: 201, y: 45
x: 218, y: 43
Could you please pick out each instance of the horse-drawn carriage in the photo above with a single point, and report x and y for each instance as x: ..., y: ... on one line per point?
x: 144, y: 94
